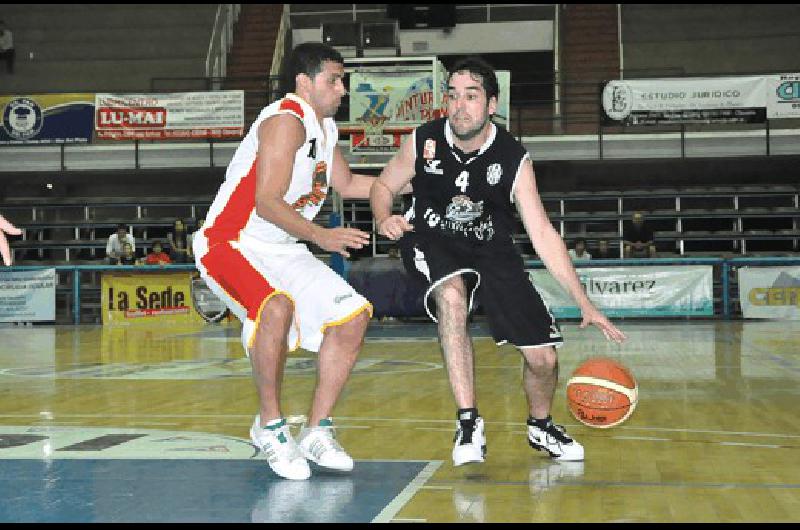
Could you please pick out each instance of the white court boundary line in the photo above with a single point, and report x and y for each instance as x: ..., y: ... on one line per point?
x: 393, y: 508
x: 394, y: 420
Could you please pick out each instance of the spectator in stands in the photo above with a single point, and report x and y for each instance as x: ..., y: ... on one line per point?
x: 603, y: 252
x: 116, y: 241
x: 7, y: 228
x: 157, y: 256
x: 180, y: 251
x: 579, y: 252
x: 128, y: 257
x: 638, y: 238
x: 7, y: 47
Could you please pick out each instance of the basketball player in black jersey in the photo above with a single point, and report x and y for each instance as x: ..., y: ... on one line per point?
x: 467, y: 175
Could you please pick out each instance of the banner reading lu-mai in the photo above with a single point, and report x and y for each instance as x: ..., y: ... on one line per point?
x: 218, y: 114
x: 147, y: 298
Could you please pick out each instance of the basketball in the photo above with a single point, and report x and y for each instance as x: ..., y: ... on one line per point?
x: 602, y: 393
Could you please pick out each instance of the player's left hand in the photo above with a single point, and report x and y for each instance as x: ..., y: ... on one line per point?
x: 593, y: 316
x: 6, y: 228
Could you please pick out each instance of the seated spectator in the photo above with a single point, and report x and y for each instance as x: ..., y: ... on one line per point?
x: 638, y: 238
x: 603, y: 252
x: 116, y: 241
x: 157, y: 256
x: 180, y: 251
x: 579, y: 252
x: 7, y: 47
x: 127, y: 257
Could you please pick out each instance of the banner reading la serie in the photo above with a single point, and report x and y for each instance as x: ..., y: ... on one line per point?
x: 47, y: 119
x: 770, y: 292
x: 192, y: 115
x: 634, y: 291
x: 133, y: 298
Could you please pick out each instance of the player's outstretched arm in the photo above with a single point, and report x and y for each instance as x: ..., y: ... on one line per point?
x: 7, y: 228
x: 393, y: 180
x: 550, y: 247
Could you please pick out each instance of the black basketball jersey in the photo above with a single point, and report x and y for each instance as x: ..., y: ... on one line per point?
x: 465, y: 196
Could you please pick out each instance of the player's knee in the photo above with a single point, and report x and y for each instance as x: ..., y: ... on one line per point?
x: 278, y: 308
x: 451, y: 298
x: 540, y: 360
x: 351, y: 333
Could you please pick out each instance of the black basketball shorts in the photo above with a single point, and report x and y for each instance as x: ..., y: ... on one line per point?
x: 495, y: 273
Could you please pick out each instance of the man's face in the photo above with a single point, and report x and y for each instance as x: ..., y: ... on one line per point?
x: 580, y: 246
x: 638, y: 218
x: 467, y: 107
x: 327, y: 88
x: 157, y: 249
x: 121, y: 233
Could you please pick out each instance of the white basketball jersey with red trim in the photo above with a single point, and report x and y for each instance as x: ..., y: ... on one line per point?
x: 232, y: 215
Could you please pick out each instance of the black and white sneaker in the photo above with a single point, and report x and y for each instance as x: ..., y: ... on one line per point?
x: 553, y: 439
x: 470, y: 440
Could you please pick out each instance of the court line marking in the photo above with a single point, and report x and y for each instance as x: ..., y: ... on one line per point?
x: 393, y: 508
x: 218, y: 417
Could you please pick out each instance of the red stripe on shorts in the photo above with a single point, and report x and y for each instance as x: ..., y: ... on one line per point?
x: 237, y: 277
x: 237, y: 210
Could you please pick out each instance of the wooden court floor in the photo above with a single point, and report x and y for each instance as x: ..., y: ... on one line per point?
x: 715, y: 436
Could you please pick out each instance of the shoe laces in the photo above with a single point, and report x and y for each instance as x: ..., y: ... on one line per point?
x: 323, y: 441
x: 558, y: 432
x: 289, y: 448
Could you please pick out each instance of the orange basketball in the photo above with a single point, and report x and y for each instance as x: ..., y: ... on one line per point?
x: 601, y: 393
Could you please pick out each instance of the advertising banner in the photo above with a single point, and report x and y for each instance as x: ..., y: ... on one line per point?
x: 132, y: 298
x: 394, y: 98
x: 189, y: 115
x: 685, y: 100
x: 783, y: 96
x: 47, y: 119
x: 770, y: 292
x: 28, y: 296
x: 634, y: 291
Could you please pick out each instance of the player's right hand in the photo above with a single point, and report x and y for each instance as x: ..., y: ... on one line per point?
x: 6, y: 228
x: 394, y: 227
x: 340, y: 239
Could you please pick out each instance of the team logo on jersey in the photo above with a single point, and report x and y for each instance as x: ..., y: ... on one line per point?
x: 430, y: 149
x: 319, y: 188
x: 432, y: 166
x: 463, y: 210
x: 22, y: 118
x: 494, y: 173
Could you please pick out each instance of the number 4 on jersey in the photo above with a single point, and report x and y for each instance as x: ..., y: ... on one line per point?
x: 463, y: 181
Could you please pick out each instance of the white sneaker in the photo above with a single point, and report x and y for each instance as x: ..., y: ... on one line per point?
x: 319, y: 445
x: 470, y: 441
x: 554, y: 440
x: 283, y: 455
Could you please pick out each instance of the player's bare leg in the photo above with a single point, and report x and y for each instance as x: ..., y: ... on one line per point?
x: 337, y: 356
x: 452, y: 310
x: 539, y: 379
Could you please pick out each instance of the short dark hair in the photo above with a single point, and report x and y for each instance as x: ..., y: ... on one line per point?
x: 478, y: 67
x: 580, y: 240
x: 122, y: 226
x: 307, y: 58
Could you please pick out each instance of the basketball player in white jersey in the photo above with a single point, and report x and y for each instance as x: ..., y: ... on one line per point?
x: 6, y: 227
x: 249, y: 253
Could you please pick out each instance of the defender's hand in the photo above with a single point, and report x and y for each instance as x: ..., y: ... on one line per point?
x: 340, y: 239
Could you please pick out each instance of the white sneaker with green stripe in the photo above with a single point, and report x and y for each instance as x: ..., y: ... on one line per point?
x: 276, y: 442
x: 319, y: 445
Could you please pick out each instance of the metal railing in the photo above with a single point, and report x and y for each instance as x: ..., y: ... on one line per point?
x: 221, y: 39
